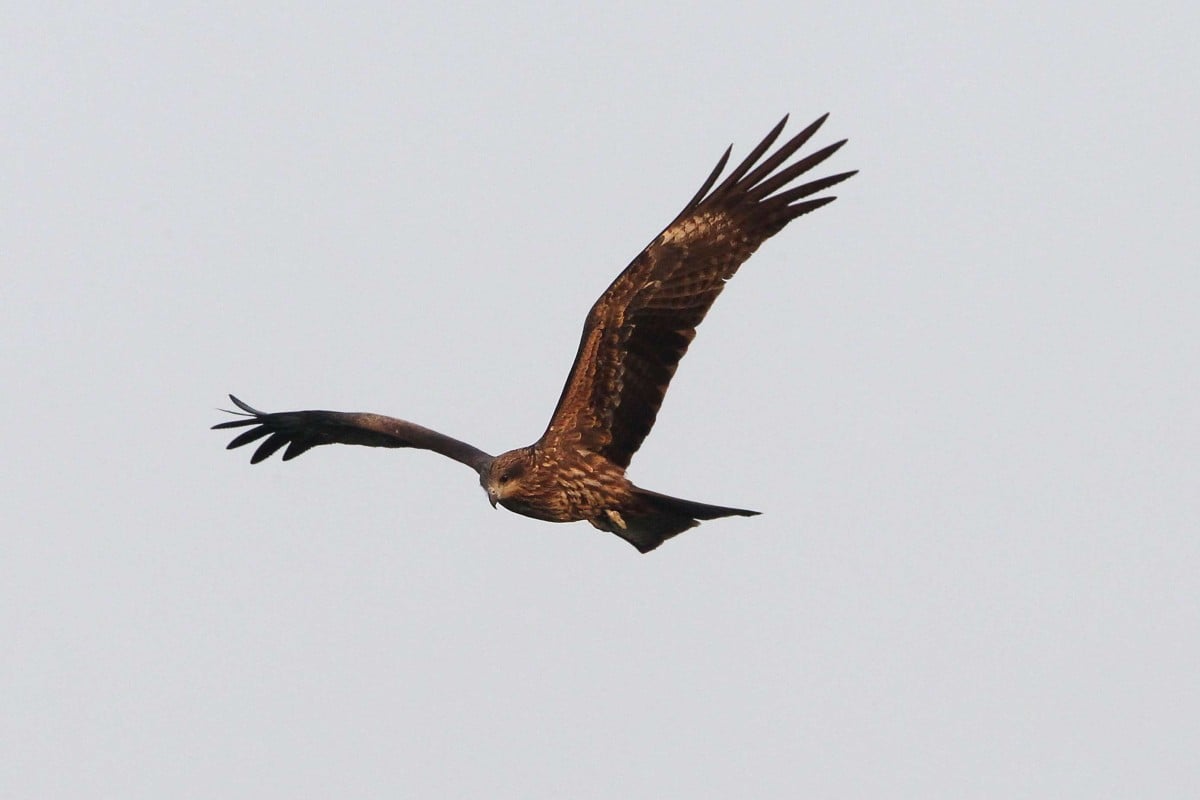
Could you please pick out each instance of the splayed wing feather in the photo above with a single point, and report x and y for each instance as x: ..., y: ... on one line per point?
x: 640, y: 328
x: 300, y: 431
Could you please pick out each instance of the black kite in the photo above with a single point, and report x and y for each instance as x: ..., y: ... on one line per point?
x: 633, y: 339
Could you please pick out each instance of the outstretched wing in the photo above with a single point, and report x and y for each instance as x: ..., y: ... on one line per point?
x: 641, y: 326
x: 302, y: 430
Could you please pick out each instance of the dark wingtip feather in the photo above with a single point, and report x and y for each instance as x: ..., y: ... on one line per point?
x: 244, y: 407
x: 783, y: 153
x: 297, y: 447
x: 751, y: 159
x: 248, y: 436
x: 800, y: 209
x: 799, y: 192
x: 234, y: 423
x: 749, y: 174
x: 267, y: 449
x: 250, y: 413
x: 711, y: 179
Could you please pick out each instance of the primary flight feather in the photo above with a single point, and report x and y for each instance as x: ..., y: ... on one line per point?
x: 632, y: 341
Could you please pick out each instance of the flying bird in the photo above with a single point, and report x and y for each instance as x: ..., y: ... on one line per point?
x: 633, y: 339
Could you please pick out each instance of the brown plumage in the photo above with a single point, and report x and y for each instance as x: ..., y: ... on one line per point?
x: 632, y: 341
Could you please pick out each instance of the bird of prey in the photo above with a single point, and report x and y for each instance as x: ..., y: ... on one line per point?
x: 633, y: 339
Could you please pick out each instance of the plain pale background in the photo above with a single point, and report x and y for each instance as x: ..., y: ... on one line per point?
x: 964, y: 397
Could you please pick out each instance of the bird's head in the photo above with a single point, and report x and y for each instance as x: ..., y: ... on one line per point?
x: 502, y: 479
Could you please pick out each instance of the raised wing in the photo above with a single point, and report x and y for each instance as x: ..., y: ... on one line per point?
x: 641, y: 326
x: 302, y: 430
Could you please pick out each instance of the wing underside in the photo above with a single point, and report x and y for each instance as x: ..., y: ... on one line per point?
x: 300, y: 431
x: 640, y: 328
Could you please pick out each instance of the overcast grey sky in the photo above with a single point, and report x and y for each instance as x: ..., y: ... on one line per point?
x: 964, y: 396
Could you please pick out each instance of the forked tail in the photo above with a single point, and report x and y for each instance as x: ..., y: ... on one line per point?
x: 658, y: 517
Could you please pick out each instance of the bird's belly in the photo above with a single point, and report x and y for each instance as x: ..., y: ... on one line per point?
x: 569, y: 496
x: 545, y: 511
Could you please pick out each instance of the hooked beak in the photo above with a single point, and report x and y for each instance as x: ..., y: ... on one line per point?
x: 491, y: 497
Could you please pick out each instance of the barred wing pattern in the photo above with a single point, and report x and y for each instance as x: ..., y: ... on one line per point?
x: 640, y: 328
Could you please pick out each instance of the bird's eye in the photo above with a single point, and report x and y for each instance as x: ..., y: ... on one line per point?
x: 504, y: 476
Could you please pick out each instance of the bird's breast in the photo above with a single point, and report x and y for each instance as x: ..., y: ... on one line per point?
x: 568, y: 490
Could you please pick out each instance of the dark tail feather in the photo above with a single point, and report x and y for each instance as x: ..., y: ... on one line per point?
x: 690, y: 507
x: 662, y: 517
